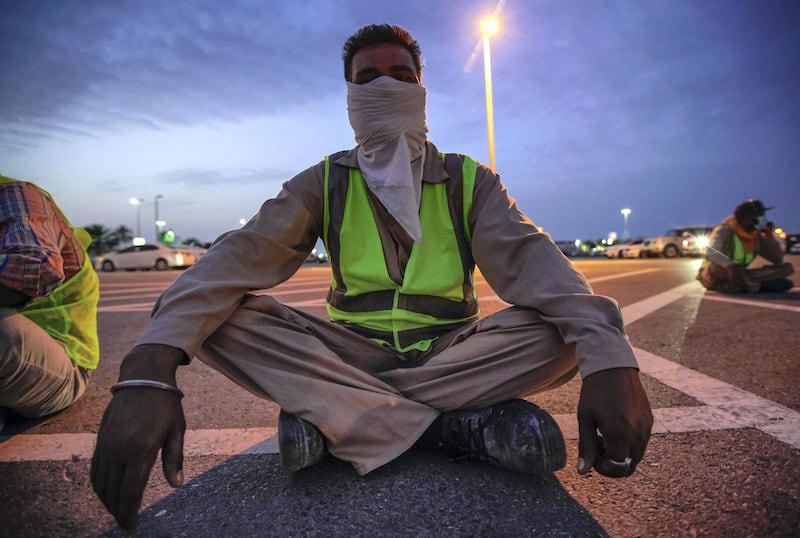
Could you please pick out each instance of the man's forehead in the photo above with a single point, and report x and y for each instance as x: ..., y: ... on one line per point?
x: 382, y: 54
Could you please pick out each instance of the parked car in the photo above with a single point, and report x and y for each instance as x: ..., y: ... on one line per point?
x: 683, y: 241
x: 317, y: 256
x: 792, y: 243
x: 568, y: 248
x: 199, y: 252
x: 147, y: 256
x: 628, y: 249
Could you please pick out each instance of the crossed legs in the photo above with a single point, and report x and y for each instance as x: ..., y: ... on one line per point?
x: 370, y: 402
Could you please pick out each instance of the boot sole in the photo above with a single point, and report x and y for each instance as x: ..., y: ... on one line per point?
x: 300, y: 443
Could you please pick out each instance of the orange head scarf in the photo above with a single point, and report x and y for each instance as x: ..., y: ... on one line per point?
x: 748, y: 238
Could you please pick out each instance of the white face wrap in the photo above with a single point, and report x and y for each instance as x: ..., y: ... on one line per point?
x: 388, y: 118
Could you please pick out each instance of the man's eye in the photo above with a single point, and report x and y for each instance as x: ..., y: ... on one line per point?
x: 364, y: 79
x: 406, y: 77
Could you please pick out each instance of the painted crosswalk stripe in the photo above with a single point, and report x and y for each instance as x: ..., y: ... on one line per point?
x: 725, y: 407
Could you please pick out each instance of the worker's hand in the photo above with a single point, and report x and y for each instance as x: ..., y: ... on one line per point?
x: 614, y: 422
x: 137, y: 424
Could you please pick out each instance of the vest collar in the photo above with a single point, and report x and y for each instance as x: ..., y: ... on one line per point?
x: 433, y: 171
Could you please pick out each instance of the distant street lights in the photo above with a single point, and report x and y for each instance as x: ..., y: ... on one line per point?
x: 625, y: 212
x: 159, y: 223
x: 489, y: 27
x: 138, y: 203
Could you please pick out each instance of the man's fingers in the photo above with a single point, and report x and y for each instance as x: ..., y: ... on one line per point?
x: 588, y: 443
x: 131, y: 491
x: 128, y: 445
x: 610, y: 458
x: 614, y: 468
x: 172, y: 458
x: 99, y: 478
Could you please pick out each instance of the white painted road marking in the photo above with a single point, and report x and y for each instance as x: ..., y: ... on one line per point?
x: 726, y: 407
x: 74, y: 446
x: 752, y: 302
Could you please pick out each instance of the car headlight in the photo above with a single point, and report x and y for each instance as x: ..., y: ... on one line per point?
x: 702, y: 242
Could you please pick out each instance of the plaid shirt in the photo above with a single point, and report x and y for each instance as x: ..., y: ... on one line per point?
x: 38, y: 250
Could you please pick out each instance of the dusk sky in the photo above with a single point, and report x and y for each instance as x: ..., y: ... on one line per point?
x: 677, y: 109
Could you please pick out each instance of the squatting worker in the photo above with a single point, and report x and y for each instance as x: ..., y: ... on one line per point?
x: 735, y: 243
x: 404, y: 359
x: 48, y: 304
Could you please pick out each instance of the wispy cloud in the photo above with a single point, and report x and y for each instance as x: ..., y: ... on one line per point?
x: 595, y: 102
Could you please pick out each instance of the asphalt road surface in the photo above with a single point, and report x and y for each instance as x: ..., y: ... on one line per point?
x: 721, y: 373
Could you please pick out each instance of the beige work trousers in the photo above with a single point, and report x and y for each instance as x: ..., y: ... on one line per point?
x: 370, y: 402
x: 37, y: 377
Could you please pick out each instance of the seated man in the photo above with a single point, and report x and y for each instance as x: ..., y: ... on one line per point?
x: 48, y: 304
x: 404, y: 359
x: 734, y: 244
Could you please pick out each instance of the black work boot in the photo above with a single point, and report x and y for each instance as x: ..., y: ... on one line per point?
x: 301, y: 443
x: 516, y: 435
x: 777, y: 285
x: 3, y: 417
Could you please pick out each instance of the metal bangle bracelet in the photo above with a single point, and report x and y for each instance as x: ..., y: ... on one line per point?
x: 146, y: 383
x: 624, y: 463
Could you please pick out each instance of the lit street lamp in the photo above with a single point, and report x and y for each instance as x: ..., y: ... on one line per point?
x: 489, y: 27
x: 138, y: 203
x: 625, y: 212
x: 158, y: 221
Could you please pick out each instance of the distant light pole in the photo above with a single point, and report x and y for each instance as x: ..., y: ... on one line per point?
x: 157, y: 220
x: 625, y: 212
x: 138, y: 203
x: 489, y: 27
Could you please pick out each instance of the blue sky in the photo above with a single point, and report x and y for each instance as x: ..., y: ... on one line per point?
x: 677, y: 109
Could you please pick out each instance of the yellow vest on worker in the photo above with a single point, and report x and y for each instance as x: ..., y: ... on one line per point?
x: 437, y: 292
x: 740, y: 257
x: 69, y: 313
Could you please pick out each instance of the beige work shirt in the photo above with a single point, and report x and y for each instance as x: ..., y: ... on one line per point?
x: 522, y: 265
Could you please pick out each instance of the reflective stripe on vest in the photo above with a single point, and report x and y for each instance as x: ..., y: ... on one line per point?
x: 69, y: 313
x: 437, y: 293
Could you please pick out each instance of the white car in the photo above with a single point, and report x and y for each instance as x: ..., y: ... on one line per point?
x: 147, y: 256
x: 629, y: 249
x: 317, y: 256
x: 683, y: 241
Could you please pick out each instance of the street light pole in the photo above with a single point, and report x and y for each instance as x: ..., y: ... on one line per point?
x: 138, y: 203
x: 625, y: 212
x: 157, y: 220
x: 488, y: 28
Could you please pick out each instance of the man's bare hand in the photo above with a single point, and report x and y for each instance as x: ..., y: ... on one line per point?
x: 137, y: 424
x: 614, y: 422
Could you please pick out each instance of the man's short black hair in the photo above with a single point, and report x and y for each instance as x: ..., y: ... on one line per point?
x: 377, y: 34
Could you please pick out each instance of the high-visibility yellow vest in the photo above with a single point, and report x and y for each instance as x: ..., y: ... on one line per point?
x: 437, y: 292
x: 740, y: 257
x: 69, y: 313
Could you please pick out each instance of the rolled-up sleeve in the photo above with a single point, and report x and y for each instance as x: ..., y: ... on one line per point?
x: 525, y: 268
x: 32, y: 236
